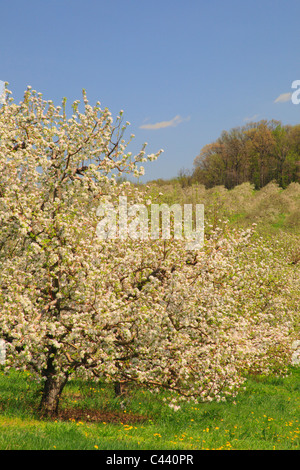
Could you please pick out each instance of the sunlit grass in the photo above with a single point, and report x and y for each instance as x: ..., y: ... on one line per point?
x: 265, y: 416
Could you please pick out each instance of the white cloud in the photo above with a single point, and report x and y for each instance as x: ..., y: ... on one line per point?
x: 160, y: 125
x: 252, y: 118
x: 283, y: 98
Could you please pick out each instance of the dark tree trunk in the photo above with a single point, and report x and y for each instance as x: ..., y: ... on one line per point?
x: 119, y: 388
x: 51, y: 394
x: 53, y: 387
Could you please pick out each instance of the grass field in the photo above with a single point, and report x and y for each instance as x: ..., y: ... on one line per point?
x: 265, y: 416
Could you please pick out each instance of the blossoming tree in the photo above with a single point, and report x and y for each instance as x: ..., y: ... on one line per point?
x: 145, y: 310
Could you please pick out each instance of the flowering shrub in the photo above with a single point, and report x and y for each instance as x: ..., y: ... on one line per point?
x: 122, y: 310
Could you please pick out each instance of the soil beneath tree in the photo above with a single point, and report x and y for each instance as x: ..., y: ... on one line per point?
x: 99, y: 416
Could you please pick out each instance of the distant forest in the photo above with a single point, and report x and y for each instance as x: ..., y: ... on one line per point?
x: 257, y: 153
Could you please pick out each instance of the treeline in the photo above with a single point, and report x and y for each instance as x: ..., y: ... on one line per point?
x: 257, y: 153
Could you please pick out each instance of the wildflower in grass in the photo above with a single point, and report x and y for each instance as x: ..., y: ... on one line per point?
x: 127, y: 427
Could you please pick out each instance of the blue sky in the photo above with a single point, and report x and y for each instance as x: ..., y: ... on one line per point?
x: 182, y: 70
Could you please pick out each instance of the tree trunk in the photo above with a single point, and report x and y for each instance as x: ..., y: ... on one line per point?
x: 51, y: 394
x: 119, y: 388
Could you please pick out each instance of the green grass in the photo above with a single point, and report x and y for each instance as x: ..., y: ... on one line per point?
x: 280, y: 222
x: 264, y: 416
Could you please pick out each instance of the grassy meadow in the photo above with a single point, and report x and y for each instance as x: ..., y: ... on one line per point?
x: 265, y: 415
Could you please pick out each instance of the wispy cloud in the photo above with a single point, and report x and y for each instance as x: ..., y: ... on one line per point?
x: 283, y: 98
x: 162, y: 124
x: 252, y: 118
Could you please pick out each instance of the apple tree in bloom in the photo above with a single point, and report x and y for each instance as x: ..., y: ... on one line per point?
x: 120, y: 309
